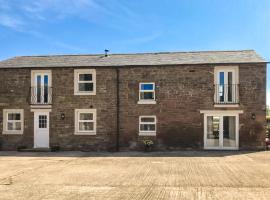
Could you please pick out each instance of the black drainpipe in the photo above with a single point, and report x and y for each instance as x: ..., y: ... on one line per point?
x: 117, y: 110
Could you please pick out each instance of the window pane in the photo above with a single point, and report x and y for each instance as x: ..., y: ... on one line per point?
x: 147, y: 127
x: 18, y: 126
x: 221, y: 93
x: 213, y: 131
x: 229, y: 134
x: 38, y: 89
x: 14, y: 126
x: 147, y: 119
x: 42, y: 121
x: 147, y: 95
x: 14, y: 116
x: 10, y: 126
x: 230, y: 78
x: 46, y: 78
x: 221, y: 78
x: 85, y: 77
x: 86, y: 126
x: 147, y: 86
x: 230, y: 86
x: 86, y: 116
x: 86, y: 87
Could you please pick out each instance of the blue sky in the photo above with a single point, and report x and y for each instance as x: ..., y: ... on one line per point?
x: 34, y: 27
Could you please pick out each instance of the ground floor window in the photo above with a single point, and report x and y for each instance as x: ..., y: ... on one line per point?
x: 147, y: 125
x: 85, y: 121
x: 13, y: 121
x: 221, y: 129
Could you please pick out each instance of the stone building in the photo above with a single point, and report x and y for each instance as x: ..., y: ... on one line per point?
x: 179, y: 100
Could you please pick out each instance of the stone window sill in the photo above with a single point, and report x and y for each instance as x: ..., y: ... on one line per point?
x: 226, y: 105
x: 147, y: 102
x: 12, y: 132
x: 147, y: 133
x: 85, y: 133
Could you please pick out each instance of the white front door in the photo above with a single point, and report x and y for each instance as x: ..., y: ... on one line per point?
x: 221, y: 131
x: 41, y: 129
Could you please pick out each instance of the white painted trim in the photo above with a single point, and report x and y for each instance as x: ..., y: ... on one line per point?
x: 77, y: 72
x: 147, y: 102
x: 148, y: 133
x: 41, y: 72
x: 226, y: 105
x: 41, y: 110
x: 222, y: 112
x: 41, y: 106
x: 5, y: 119
x: 221, y: 149
x: 77, y: 112
x: 38, y: 112
x: 154, y: 91
x: 234, y: 69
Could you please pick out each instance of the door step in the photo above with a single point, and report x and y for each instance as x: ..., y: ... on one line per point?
x: 36, y: 150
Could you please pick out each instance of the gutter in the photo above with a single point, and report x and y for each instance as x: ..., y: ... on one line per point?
x: 117, y: 110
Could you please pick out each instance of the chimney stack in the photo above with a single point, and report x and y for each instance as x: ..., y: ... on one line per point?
x: 106, y: 52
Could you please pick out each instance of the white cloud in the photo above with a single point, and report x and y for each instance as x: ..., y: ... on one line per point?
x: 28, y: 15
x: 29, y: 12
x: 143, y: 39
x: 10, y: 21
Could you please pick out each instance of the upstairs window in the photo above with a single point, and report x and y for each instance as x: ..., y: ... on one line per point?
x: 147, y: 93
x: 13, y: 121
x: 85, y: 82
x: 41, y: 87
x: 147, y: 125
x: 226, y: 85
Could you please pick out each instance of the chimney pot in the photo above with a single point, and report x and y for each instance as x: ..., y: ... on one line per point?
x: 106, y: 52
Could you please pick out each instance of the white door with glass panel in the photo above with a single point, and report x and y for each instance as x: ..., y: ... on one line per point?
x: 41, y: 129
x: 41, y: 91
x: 226, y: 86
x: 221, y: 131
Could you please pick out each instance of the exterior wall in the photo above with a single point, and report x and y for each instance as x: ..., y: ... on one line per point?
x: 14, y: 90
x: 252, y: 80
x: 181, y: 92
x: 64, y: 101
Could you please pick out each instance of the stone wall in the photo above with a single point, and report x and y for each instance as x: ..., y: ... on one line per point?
x: 181, y: 92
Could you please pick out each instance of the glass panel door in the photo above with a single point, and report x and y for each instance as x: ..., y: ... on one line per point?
x: 221, y: 87
x: 229, y: 131
x: 226, y: 82
x: 221, y: 132
x: 42, y: 88
x: 213, y: 131
x: 230, y: 85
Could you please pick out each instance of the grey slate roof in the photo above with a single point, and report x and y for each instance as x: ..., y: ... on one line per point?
x: 163, y: 58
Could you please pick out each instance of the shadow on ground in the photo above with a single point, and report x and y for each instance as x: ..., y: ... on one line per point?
x: 127, y: 154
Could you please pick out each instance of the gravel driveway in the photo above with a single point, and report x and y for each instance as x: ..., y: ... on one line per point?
x: 134, y: 175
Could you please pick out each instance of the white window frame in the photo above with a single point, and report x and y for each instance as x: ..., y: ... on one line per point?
x: 235, y: 71
x: 77, y: 113
x: 148, y: 133
x: 77, y: 72
x: 147, y: 101
x: 5, y: 121
x: 34, y: 74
